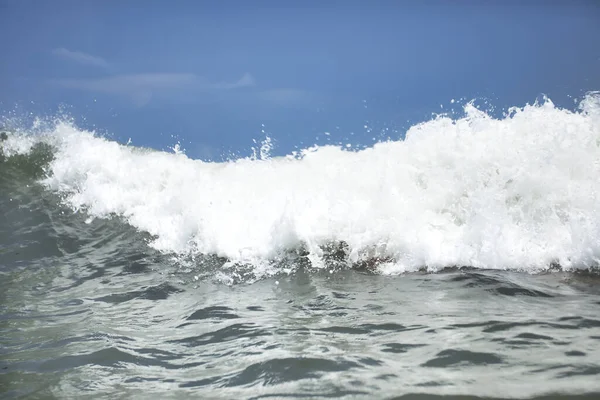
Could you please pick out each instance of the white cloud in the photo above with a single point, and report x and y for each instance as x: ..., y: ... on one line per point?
x: 80, y: 57
x: 127, y: 83
x: 141, y: 88
x: 245, y: 81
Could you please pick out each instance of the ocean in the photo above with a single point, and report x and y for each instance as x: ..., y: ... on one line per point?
x: 460, y: 262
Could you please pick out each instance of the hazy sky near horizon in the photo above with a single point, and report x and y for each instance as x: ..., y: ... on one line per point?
x: 213, y: 73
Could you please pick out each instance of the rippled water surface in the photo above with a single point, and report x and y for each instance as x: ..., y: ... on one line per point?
x: 89, y: 311
x: 338, y: 276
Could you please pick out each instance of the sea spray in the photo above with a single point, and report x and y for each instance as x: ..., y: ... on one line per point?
x: 517, y: 192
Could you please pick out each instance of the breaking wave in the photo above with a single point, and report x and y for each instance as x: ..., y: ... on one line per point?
x: 517, y: 192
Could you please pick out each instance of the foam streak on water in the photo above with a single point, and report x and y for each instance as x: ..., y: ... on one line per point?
x: 521, y: 192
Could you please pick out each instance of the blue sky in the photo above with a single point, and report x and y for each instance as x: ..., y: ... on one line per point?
x: 213, y: 73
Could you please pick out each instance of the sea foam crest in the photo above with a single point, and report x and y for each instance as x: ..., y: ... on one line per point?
x: 520, y: 192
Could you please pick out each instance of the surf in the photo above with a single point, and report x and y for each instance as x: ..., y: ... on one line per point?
x: 518, y: 192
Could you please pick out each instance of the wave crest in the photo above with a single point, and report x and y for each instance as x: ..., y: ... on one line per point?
x: 518, y: 192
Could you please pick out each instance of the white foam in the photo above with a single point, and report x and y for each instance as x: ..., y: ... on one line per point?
x: 520, y: 192
x: 17, y: 143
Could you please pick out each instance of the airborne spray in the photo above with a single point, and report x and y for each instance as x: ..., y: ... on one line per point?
x: 520, y: 192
